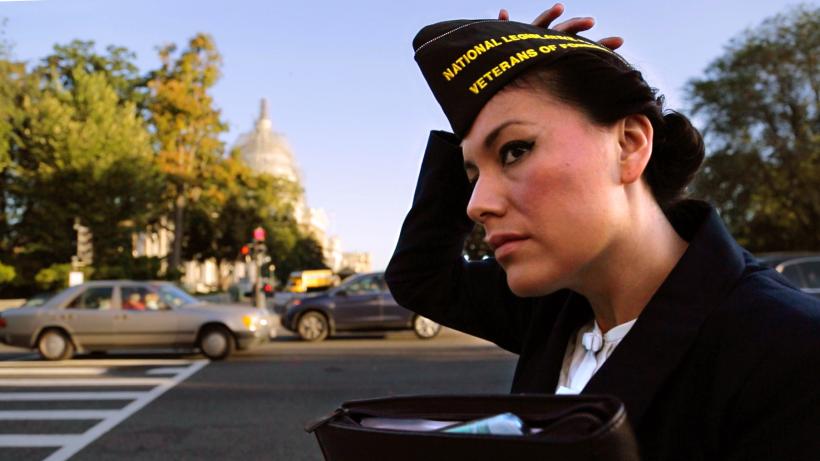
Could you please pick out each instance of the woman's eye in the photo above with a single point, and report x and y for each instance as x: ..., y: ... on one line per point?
x: 512, y: 151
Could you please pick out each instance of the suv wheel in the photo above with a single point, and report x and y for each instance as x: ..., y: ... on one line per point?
x: 313, y: 326
x: 425, y: 328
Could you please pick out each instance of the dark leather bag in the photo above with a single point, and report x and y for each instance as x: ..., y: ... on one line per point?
x: 572, y: 428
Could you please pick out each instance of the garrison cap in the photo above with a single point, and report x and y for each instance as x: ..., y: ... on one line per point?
x: 467, y: 61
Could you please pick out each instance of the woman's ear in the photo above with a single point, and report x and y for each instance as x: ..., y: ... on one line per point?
x: 635, y: 140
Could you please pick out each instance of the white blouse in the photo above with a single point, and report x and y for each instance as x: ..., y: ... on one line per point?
x: 586, y: 353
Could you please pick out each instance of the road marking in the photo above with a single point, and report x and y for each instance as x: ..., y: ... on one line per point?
x: 73, y: 445
x: 52, y: 371
x: 18, y: 361
x: 42, y: 415
x: 38, y: 382
x: 58, y: 396
x: 27, y: 440
x: 165, y: 371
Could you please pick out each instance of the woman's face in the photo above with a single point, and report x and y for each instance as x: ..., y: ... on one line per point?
x: 547, y: 189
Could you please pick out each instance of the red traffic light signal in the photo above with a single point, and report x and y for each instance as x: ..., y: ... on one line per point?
x: 259, y: 234
x: 245, y: 250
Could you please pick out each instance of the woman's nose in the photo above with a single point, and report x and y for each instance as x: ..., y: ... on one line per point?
x: 487, y: 200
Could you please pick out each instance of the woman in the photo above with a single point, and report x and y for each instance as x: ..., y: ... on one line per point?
x: 606, y: 280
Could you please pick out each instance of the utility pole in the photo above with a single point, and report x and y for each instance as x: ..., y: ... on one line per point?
x: 259, y: 252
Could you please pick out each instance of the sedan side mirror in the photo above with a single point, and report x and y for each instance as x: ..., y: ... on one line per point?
x: 341, y: 293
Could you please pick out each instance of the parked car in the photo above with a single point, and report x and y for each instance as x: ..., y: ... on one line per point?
x: 101, y: 315
x: 360, y: 303
x: 802, y: 269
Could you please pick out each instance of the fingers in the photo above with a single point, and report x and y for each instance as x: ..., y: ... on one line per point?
x: 503, y: 15
x: 613, y: 43
x: 570, y: 26
x: 575, y: 25
x: 545, y: 19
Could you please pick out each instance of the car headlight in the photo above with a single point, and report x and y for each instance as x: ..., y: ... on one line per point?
x: 251, y: 322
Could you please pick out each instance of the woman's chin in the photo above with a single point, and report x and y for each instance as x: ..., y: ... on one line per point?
x: 526, y: 284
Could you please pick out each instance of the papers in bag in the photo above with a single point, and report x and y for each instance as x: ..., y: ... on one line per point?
x: 401, y: 424
x: 502, y: 424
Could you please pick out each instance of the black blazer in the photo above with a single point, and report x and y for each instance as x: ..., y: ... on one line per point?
x: 722, y: 364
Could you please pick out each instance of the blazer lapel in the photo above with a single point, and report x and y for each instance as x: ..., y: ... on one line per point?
x: 539, y: 367
x: 672, y: 319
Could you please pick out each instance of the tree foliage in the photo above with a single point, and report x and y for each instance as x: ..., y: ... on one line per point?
x: 234, y: 201
x: 84, y: 135
x: 186, y: 125
x: 759, y: 105
x: 7, y: 273
x: 305, y: 254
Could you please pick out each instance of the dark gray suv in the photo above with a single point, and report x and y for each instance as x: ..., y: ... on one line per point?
x: 800, y: 268
x: 360, y: 303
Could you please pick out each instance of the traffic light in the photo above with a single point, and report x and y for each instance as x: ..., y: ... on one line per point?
x: 245, y: 250
x: 85, y: 246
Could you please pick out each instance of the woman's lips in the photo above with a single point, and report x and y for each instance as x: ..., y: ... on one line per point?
x: 505, y: 243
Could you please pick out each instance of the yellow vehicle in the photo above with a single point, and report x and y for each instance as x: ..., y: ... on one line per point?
x: 311, y: 280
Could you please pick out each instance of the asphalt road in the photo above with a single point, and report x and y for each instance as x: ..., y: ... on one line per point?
x: 255, y: 405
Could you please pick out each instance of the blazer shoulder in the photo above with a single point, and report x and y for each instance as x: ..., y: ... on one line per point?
x: 767, y: 316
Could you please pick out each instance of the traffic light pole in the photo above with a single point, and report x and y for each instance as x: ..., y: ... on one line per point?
x: 260, y: 294
x: 259, y: 251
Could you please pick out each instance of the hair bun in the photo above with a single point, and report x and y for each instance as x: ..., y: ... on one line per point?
x: 678, y: 152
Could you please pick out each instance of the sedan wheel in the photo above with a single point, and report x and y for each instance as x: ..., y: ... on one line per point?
x: 55, y: 345
x: 425, y: 328
x: 313, y: 326
x: 216, y: 343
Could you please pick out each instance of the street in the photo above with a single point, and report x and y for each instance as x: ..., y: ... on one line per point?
x: 158, y: 406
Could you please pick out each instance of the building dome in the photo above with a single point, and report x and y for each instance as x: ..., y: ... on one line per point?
x: 266, y: 151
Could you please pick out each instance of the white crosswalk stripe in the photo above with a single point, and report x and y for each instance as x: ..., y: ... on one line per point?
x: 58, y: 415
x: 156, y: 376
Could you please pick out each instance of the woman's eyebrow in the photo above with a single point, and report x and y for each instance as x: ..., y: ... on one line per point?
x: 491, y: 137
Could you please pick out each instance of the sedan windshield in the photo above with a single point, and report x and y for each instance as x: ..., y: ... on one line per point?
x: 38, y: 300
x: 175, y: 297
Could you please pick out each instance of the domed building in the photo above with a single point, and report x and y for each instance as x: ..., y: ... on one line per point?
x: 266, y: 151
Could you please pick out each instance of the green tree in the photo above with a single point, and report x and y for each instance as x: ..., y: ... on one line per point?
x: 186, y: 126
x: 759, y: 105
x: 7, y: 273
x: 235, y: 200
x: 305, y: 254
x: 83, y: 154
x: 13, y: 77
x: 117, y: 67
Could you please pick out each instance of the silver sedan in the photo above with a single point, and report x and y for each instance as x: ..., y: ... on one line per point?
x: 101, y: 315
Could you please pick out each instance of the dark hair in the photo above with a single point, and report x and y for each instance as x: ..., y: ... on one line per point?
x: 607, y: 90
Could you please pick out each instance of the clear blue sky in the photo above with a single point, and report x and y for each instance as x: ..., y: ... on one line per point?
x: 341, y: 81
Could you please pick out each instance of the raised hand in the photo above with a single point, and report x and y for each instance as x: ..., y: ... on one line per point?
x: 571, y: 26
